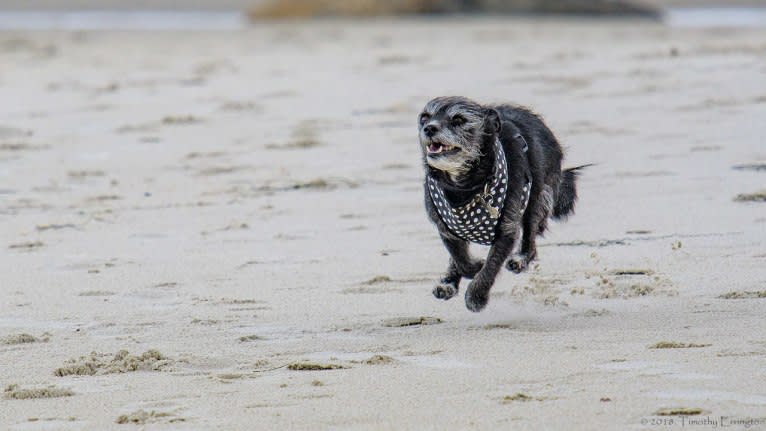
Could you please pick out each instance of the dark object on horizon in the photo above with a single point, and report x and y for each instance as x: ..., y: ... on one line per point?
x: 276, y: 9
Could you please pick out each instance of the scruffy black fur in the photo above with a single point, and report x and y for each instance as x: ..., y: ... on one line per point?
x: 457, y: 136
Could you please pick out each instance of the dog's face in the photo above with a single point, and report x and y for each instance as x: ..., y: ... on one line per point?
x: 454, y: 131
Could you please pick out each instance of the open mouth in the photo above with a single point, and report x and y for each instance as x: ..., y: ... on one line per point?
x: 435, y: 148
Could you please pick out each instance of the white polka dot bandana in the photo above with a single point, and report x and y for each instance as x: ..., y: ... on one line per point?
x: 477, y: 220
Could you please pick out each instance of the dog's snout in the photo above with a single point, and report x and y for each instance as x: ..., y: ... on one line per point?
x: 430, y: 130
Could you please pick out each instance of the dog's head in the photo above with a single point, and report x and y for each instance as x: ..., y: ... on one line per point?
x: 454, y: 133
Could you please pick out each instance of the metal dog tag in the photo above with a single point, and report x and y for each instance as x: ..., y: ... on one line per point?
x: 492, y: 211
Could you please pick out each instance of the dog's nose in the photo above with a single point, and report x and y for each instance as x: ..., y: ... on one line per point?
x: 430, y: 130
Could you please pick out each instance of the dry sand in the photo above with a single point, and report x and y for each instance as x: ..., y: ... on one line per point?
x: 245, y: 208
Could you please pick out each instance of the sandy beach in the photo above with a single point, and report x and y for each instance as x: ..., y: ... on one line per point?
x: 224, y: 230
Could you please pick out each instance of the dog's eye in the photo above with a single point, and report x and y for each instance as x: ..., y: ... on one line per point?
x: 457, y: 121
x: 423, y: 118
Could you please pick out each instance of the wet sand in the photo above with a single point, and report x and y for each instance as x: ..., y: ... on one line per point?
x: 225, y: 230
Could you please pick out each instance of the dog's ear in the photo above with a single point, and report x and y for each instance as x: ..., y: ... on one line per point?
x: 492, y: 124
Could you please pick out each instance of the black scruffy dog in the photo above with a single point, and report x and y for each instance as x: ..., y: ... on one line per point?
x: 493, y: 173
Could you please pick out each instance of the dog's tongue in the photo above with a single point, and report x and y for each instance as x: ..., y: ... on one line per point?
x: 434, y: 147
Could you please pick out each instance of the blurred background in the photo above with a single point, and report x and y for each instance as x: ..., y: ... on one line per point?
x: 228, y: 14
x: 242, y: 4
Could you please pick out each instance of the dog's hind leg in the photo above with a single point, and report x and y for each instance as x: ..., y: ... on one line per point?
x: 461, y: 265
x: 534, y: 224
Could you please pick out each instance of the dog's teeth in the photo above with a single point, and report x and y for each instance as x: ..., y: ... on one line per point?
x: 439, y: 148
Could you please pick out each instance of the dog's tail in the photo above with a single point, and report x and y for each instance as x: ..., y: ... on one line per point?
x: 567, y: 195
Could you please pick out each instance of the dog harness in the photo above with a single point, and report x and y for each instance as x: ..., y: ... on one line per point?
x: 477, y: 220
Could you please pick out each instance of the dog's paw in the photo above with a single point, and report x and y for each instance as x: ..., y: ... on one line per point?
x: 445, y: 291
x: 476, y: 299
x: 517, y: 264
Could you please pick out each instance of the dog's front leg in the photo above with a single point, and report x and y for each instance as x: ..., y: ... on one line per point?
x: 461, y: 264
x: 477, y: 294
